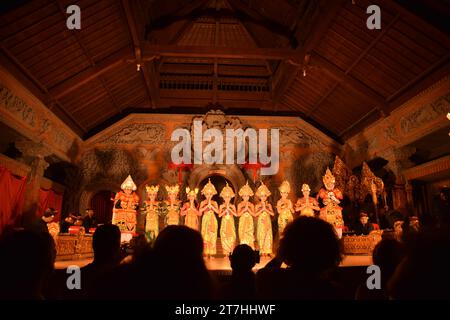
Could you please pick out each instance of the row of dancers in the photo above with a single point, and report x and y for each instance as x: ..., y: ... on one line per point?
x: 208, y: 211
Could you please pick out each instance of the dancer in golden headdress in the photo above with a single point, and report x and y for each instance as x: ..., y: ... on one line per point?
x: 284, y: 207
x: 331, y: 212
x: 263, y: 211
x: 307, y: 205
x: 246, y: 212
x: 190, y: 211
x: 173, y: 205
x: 150, y: 207
x: 209, y: 208
x: 125, y: 205
x: 227, y: 211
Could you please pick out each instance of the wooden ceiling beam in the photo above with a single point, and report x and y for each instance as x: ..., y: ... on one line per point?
x: 21, y: 73
x: 150, y: 51
x: 384, y: 111
x: 350, y: 82
x: 89, y: 74
x: 147, y: 74
x: 286, y: 73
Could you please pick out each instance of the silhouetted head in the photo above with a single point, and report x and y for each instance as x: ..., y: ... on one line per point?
x: 387, y: 254
x: 180, y: 268
x: 310, y: 244
x: 179, y: 244
x: 106, y: 243
x: 27, y: 259
x: 243, y: 258
x: 423, y: 273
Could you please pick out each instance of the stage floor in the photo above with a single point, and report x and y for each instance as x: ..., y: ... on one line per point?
x: 223, y: 264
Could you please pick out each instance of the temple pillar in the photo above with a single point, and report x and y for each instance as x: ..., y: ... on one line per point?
x: 398, y: 161
x: 33, y: 154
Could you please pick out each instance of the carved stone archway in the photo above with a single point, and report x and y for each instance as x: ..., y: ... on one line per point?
x: 230, y: 172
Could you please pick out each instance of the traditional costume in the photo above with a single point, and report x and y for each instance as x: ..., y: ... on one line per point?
x: 125, y: 205
x: 264, y: 227
x: 209, y: 222
x: 150, y: 208
x: 331, y: 212
x: 173, y: 207
x: 190, y: 211
x: 227, y: 229
x: 245, y: 212
x: 284, y: 207
x: 307, y: 205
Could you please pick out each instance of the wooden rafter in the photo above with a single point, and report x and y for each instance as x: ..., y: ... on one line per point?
x: 88, y: 56
x: 287, y: 72
x: 150, y: 51
x: 383, y: 110
x: 89, y: 74
x: 37, y: 88
x: 348, y: 81
x: 147, y: 74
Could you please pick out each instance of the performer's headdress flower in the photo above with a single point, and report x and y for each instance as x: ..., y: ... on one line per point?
x: 173, y: 189
x: 191, y: 192
x: 152, y: 189
x: 305, y: 187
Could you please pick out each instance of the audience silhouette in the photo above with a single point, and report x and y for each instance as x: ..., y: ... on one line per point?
x: 242, y: 283
x: 423, y: 273
x: 387, y: 254
x: 311, y: 250
x: 27, y: 258
x: 174, y: 268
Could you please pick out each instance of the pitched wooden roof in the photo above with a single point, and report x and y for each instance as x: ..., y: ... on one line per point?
x: 314, y: 59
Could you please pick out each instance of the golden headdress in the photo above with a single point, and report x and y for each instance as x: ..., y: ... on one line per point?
x: 209, y: 189
x: 227, y: 191
x: 328, y: 177
x: 246, y: 190
x: 285, y: 187
x: 173, y: 189
x: 151, y: 189
x: 128, y: 183
x: 191, y: 192
x: 305, y: 187
x: 262, y: 191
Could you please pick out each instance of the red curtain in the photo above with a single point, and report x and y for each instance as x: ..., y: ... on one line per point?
x: 102, y: 205
x: 12, y: 195
x: 50, y: 199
